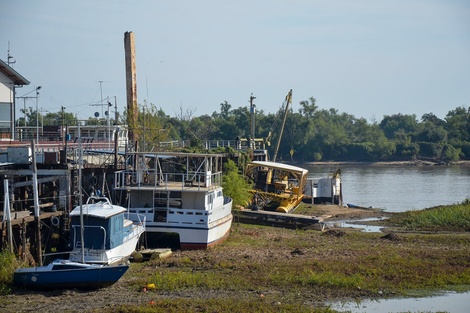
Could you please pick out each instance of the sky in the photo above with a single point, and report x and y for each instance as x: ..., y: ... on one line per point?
x: 367, y: 58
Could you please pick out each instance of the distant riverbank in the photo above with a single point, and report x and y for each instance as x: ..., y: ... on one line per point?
x: 393, y: 163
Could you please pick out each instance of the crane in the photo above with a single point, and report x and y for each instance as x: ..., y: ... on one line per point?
x: 287, y: 101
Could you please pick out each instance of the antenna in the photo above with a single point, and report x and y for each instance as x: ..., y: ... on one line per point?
x: 10, y: 59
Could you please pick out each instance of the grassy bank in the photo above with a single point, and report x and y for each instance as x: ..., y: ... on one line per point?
x: 454, y: 218
x: 273, y: 269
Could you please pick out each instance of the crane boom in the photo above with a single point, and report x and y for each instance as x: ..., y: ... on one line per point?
x: 288, y: 100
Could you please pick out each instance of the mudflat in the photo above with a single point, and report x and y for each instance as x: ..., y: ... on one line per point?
x: 269, y: 269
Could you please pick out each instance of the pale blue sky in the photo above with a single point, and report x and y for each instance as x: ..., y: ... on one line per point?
x: 368, y: 58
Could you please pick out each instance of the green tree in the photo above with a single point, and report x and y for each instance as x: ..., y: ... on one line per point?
x: 234, y: 185
x: 458, y: 125
x: 401, y: 129
x: 59, y: 118
x: 308, y: 107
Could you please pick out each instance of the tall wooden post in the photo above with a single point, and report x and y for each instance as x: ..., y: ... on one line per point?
x: 131, y: 85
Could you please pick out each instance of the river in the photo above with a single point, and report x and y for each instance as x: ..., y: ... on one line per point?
x: 399, y: 188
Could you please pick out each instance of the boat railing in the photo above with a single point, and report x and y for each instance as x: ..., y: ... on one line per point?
x: 240, y: 144
x: 127, y: 179
x: 49, y: 257
x: 137, y: 219
x: 95, y: 199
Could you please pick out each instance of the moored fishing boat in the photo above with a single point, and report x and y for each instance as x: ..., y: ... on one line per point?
x: 111, y: 233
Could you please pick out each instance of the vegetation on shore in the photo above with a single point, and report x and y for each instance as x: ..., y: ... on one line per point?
x: 234, y: 185
x: 8, y: 264
x: 311, y: 133
x: 455, y: 218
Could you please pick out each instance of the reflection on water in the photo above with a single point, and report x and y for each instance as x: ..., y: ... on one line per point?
x: 357, y: 224
x: 399, y: 188
x: 449, y: 302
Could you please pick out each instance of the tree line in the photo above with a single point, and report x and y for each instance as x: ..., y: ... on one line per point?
x: 310, y: 133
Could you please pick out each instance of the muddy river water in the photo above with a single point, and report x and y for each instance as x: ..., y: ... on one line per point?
x: 398, y: 189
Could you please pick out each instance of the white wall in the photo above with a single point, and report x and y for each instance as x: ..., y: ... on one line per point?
x: 6, y: 89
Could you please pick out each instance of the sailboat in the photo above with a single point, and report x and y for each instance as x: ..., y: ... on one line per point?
x: 68, y: 274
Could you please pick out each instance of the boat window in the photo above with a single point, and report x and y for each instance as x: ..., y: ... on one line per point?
x: 160, y: 199
x: 175, y: 194
x: 210, y: 198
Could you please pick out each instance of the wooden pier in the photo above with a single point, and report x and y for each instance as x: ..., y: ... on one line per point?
x: 271, y: 218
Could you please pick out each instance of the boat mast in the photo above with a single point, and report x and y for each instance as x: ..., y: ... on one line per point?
x: 80, y: 163
x: 36, y: 206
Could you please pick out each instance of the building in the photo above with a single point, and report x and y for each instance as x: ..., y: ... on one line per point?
x: 9, y: 80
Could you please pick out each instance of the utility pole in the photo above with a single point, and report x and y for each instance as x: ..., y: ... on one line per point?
x: 252, y: 113
x: 62, y: 130
x: 37, y: 114
x: 116, y: 114
x: 37, y: 110
x: 109, y: 123
x: 101, y: 96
